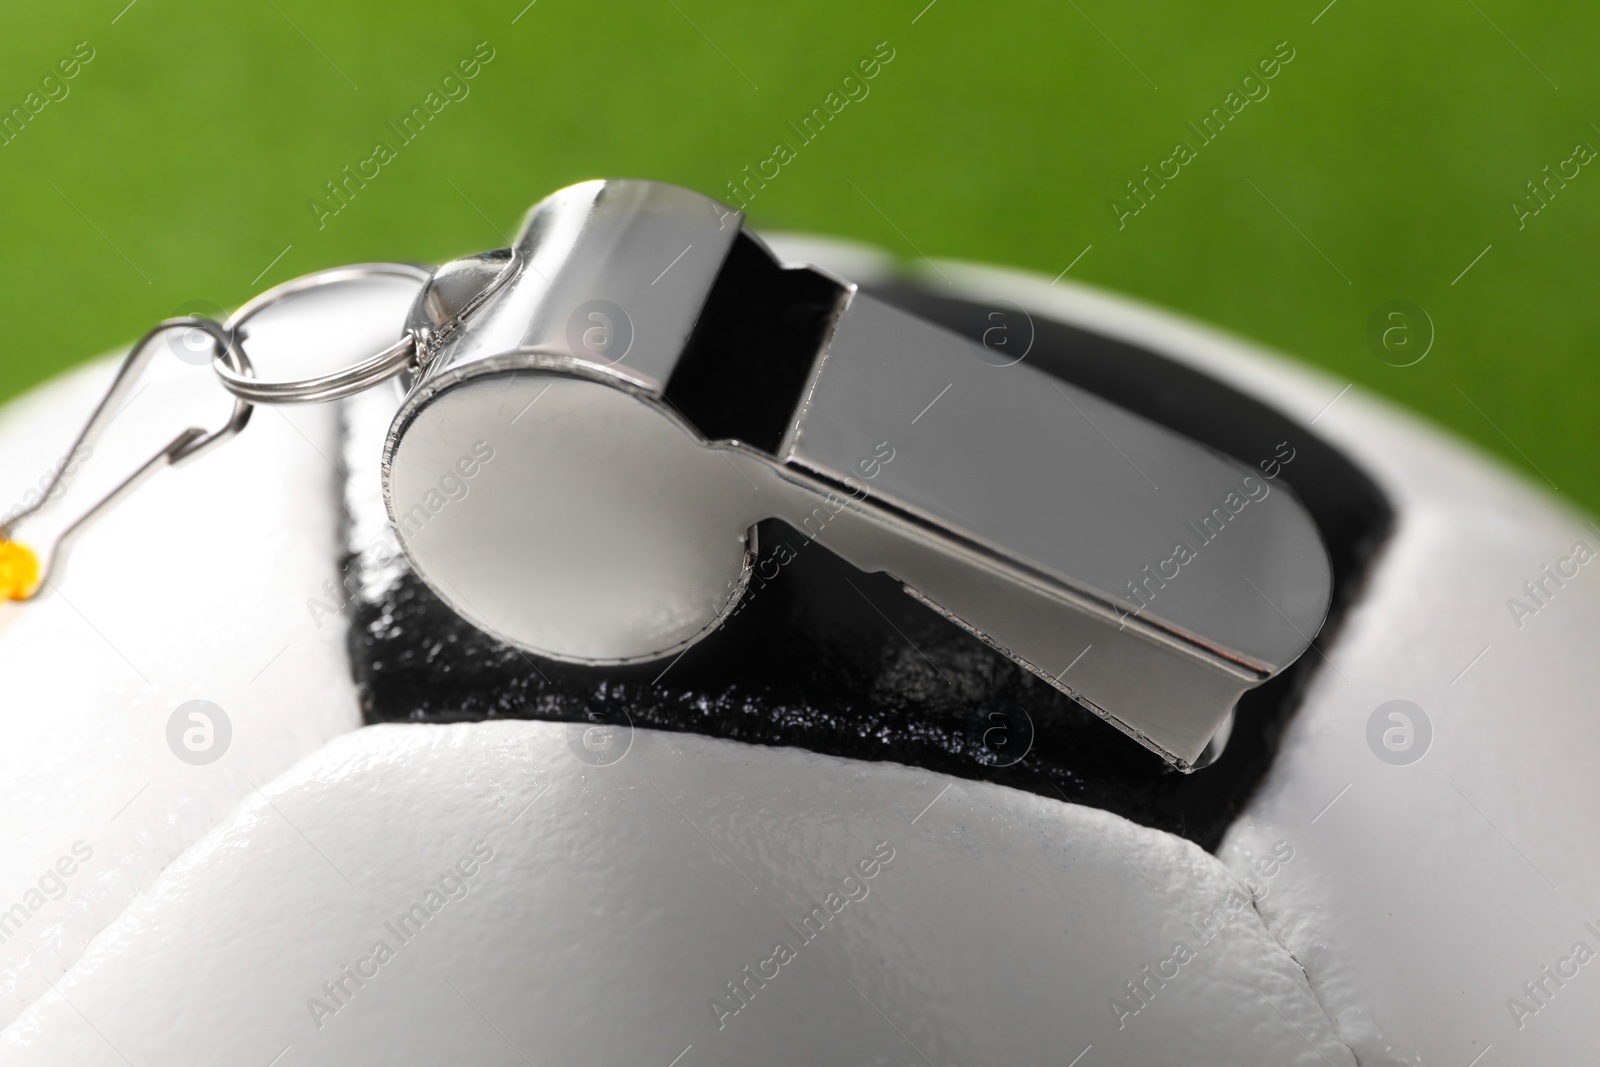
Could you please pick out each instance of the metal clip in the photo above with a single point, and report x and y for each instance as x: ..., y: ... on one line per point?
x: 22, y: 574
x: 186, y: 445
x: 581, y: 463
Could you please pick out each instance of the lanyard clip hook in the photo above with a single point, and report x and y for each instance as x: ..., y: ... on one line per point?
x: 24, y: 572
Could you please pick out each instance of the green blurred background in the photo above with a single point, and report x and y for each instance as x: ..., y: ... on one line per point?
x: 183, y: 157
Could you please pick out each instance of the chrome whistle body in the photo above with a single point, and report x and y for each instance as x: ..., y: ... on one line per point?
x: 602, y: 414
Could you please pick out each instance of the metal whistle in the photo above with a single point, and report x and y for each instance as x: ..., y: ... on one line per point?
x: 634, y: 385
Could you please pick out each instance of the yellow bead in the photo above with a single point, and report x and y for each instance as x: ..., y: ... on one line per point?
x: 19, y: 570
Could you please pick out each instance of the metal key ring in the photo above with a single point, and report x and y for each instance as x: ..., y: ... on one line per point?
x: 391, y: 361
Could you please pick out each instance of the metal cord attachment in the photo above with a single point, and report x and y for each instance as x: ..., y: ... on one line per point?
x: 396, y: 358
x: 24, y: 573
x: 186, y: 445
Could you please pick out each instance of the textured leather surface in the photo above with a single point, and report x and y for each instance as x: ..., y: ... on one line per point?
x: 617, y: 904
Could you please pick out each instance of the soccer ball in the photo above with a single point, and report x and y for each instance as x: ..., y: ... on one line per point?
x: 213, y: 861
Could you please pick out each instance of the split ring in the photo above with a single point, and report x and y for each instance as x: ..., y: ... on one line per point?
x: 353, y: 379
